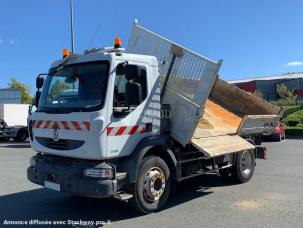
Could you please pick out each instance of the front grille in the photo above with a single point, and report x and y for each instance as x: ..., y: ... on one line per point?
x: 61, y: 144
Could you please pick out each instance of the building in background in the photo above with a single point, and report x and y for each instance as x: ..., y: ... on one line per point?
x: 10, y: 96
x: 267, y: 85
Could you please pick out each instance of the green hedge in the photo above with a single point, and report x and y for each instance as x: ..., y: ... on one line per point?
x: 294, y: 119
x: 300, y: 125
x: 296, y: 116
x: 290, y: 109
x: 294, y: 131
x: 287, y: 103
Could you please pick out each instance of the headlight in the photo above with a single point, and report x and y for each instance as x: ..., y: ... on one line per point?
x: 32, y: 161
x: 98, y: 173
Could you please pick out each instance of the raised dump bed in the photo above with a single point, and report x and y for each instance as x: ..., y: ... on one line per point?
x: 228, y: 114
x: 207, y: 112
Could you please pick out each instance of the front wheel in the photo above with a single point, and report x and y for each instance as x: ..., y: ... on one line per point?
x: 153, y: 186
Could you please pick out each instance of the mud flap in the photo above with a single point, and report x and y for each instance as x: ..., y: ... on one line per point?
x: 261, y: 152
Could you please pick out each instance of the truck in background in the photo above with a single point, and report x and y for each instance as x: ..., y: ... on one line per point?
x: 111, y: 123
x: 13, y: 122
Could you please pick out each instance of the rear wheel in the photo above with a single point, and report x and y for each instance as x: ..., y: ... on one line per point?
x: 244, y: 167
x: 153, y: 186
x: 21, y: 136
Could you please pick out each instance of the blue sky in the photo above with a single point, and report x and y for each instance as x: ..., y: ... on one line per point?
x: 254, y: 38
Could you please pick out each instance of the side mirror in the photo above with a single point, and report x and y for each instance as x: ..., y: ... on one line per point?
x: 39, y: 82
x: 37, y: 98
x: 133, y: 93
x: 132, y: 72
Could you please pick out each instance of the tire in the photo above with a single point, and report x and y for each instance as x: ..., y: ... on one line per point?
x: 153, y: 186
x: 244, y: 167
x: 21, y: 136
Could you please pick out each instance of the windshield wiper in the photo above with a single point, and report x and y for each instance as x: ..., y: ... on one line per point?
x: 56, y: 110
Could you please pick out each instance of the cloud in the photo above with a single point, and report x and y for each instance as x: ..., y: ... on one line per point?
x: 11, y: 42
x: 294, y: 63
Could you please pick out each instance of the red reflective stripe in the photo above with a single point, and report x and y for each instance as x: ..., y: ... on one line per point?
x: 109, y: 130
x: 56, y: 126
x: 65, y: 125
x: 133, y: 130
x: 121, y: 130
x: 33, y: 123
x: 47, y: 124
x: 86, y: 124
x: 39, y: 123
x: 76, y: 125
x: 142, y: 131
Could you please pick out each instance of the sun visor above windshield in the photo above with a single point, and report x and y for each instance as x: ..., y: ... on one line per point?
x: 81, y: 59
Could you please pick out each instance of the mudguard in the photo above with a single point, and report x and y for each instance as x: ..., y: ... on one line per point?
x: 132, y: 163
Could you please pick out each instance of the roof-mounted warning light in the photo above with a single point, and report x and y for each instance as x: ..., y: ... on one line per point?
x: 65, y: 52
x: 118, y: 42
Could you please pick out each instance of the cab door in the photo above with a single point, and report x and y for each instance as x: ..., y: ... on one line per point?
x: 130, y: 113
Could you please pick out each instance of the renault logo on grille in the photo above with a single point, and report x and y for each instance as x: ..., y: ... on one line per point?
x: 55, y: 135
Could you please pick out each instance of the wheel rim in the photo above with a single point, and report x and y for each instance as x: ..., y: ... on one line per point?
x: 246, y: 163
x: 154, y: 184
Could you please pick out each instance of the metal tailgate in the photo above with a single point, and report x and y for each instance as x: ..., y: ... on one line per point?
x: 219, y: 145
x: 258, y: 124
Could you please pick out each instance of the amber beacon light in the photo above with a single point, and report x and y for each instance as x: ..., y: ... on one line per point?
x: 65, y: 52
x: 118, y: 42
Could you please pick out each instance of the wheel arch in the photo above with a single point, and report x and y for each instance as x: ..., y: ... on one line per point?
x: 154, y: 145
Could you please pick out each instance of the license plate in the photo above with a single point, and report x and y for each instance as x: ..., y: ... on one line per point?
x: 52, y: 185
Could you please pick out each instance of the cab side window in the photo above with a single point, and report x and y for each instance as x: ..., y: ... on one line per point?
x: 130, y: 89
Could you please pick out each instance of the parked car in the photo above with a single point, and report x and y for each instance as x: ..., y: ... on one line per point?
x: 278, y: 134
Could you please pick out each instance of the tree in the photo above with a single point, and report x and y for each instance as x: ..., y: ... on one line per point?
x: 24, y: 89
x: 285, y: 93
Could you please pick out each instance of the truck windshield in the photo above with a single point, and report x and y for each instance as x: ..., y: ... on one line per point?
x: 78, y: 87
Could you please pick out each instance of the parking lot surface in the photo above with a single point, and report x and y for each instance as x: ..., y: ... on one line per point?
x: 273, y: 198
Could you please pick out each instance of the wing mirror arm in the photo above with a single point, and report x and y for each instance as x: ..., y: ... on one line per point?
x: 39, y: 85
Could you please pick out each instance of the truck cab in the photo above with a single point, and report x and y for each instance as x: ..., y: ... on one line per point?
x: 96, y: 106
x: 93, y: 111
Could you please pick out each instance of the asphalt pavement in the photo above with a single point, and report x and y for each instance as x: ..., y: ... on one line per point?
x: 273, y: 198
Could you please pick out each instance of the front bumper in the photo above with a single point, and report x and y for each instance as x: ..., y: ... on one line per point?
x: 67, y: 174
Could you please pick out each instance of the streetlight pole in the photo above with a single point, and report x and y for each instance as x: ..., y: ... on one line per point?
x: 72, y: 24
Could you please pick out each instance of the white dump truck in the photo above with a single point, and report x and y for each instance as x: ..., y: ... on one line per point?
x: 130, y: 123
x: 13, y: 122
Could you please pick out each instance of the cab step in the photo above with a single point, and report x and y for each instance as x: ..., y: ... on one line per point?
x: 122, y: 196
